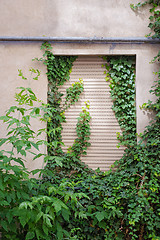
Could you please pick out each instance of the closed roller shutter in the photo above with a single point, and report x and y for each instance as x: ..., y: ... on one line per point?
x: 103, y: 151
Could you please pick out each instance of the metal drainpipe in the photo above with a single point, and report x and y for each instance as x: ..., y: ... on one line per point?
x: 136, y: 40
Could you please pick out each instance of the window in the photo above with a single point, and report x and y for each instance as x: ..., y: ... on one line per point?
x: 103, y: 151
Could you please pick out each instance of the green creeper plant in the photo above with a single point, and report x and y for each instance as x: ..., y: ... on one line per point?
x: 122, y: 201
x: 121, y: 73
x: 154, y: 24
x: 58, y: 71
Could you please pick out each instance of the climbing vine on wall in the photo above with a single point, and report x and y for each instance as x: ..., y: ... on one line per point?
x: 58, y: 72
x: 121, y: 71
x: 154, y: 18
x: 121, y: 74
x: 121, y: 202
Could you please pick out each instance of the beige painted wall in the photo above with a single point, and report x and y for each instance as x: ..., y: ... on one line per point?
x: 76, y: 18
x: 14, y: 57
x: 71, y: 18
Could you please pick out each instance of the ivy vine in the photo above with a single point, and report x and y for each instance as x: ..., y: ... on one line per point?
x: 58, y: 72
x: 154, y: 24
x: 121, y: 74
x: 123, y: 200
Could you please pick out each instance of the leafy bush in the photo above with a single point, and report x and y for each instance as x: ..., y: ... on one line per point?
x: 31, y: 208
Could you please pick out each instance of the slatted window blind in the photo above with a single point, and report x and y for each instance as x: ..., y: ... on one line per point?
x: 103, y: 151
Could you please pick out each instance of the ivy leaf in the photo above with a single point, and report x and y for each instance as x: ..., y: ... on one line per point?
x: 30, y: 235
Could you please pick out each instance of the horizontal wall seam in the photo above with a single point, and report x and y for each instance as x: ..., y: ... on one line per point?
x: 135, y: 40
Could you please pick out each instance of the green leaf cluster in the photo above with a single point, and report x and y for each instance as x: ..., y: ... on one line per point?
x: 124, y: 202
x: 32, y: 208
x: 154, y: 19
x: 121, y: 73
x: 58, y: 72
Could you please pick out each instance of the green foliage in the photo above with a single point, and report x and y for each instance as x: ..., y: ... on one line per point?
x: 69, y: 200
x: 58, y: 71
x: 30, y: 208
x: 80, y: 144
x: 154, y: 24
x: 43, y: 215
x: 121, y: 73
x: 122, y: 204
x: 73, y: 93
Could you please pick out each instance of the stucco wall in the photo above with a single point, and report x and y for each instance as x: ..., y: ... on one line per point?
x: 87, y: 18
x: 19, y: 56
x: 71, y: 18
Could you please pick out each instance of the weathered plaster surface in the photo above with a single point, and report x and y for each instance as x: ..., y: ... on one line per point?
x: 14, y: 57
x: 76, y: 18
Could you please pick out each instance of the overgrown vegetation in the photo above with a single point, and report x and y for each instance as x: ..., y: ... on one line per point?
x: 58, y: 70
x: 69, y: 200
x: 30, y: 208
x: 121, y: 74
